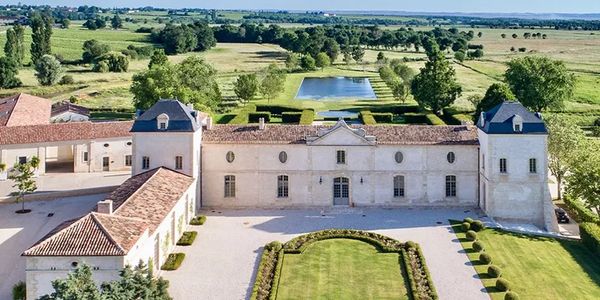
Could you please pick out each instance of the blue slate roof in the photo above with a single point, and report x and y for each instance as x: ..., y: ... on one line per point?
x: 181, y: 118
x: 499, y: 120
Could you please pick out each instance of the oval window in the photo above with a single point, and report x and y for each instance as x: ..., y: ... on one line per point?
x: 230, y: 157
x: 282, y: 157
x: 399, y: 157
x: 106, y: 145
x: 128, y: 143
x: 451, y: 157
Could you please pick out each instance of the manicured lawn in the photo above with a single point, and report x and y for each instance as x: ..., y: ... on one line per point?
x: 342, y: 269
x: 537, y: 268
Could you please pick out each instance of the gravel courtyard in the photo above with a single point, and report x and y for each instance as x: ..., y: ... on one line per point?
x: 222, y: 262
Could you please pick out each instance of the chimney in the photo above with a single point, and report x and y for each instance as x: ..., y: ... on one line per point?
x: 105, y: 207
x: 209, y: 123
x: 261, y: 124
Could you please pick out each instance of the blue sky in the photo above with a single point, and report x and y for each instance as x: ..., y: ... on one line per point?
x: 520, y: 6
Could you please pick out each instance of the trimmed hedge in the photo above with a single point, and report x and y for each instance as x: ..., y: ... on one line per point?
x: 590, y: 236
x: 582, y: 213
x: 187, y: 238
x: 471, y: 235
x: 419, y: 278
x: 367, y: 117
x: 173, y: 261
x: 432, y: 119
x: 277, y: 109
x: 254, y: 117
x: 494, y: 271
x: 458, y: 119
x: 307, y: 117
x: 502, y: 285
x: 383, y: 243
x: 485, y: 258
x: 477, y: 226
x: 511, y: 296
x: 468, y: 220
x: 291, y: 117
x: 383, y: 117
x: 465, y: 226
x: 415, y: 118
x: 243, y: 116
x: 477, y: 246
x: 198, y: 220
x: 265, y: 276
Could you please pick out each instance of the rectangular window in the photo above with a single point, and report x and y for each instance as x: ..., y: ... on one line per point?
x: 532, y: 165
x: 398, y: 186
x: 128, y: 160
x: 450, y: 186
x: 282, y: 186
x: 229, y: 186
x: 178, y: 162
x: 483, y: 161
x: 22, y: 160
x: 503, y: 168
x: 163, y: 125
x: 86, y: 156
x: 341, y: 157
x: 145, y: 162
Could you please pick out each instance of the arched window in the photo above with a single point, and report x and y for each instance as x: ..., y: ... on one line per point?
x: 283, y: 157
x: 399, y: 157
x: 230, y: 157
x: 398, y: 186
x: 450, y: 186
x: 282, y: 186
x: 229, y: 186
x: 451, y: 157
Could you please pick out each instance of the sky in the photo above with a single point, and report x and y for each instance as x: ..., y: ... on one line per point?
x: 491, y: 6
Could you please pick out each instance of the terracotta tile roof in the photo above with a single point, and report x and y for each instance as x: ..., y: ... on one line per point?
x: 24, y: 109
x: 140, y: 204
x: 63, y: 132
x: 90, y: 235
x: 385, y: 134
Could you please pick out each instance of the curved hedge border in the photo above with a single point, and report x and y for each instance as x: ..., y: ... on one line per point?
x: 271, y: 263
x: 582, y: 213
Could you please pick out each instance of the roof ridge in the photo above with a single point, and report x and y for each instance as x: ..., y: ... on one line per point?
x: 106, y: 233
x: 139, y: 188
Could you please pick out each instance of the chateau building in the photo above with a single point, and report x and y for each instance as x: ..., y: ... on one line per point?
x: 181, y: 162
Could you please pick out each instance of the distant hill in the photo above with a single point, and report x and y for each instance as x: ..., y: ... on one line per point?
x: 537, y: 16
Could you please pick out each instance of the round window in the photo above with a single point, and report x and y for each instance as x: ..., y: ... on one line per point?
x: 399, y: 157
x: 230, y: 157
x: 282, y: 157
x: 74, y: 264
x: 451, y: 157
x: 106, y: 145
x: 128, y: 143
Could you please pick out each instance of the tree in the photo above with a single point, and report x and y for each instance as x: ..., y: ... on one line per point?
x: 116, y: 22
x: 191, y: 81
x: 65, y: 23
x: 308, y: 63
x: 477, y: 53
x: 136, y: 283
x: 503, y: 35
x: 358, y: 53
x: 273, y: 82
x: 246, y: 87
x: 436, y: 86
x: 158, y: 58
x: 20, y: 37
x: 48, y: 70
x: 381, y: 59
x: 480, y: 34
x: 583, y: 178
x: 79, y: 284
x: 22, y: 175
x: 116, y: 62
x: 8, y: 73
x: 93, y: 24
x: 403, y: 70
x: 11, y: 47
x: 514, y: 36
x: 399, y: 89
x: 495, y: 94
x: 322, y: 60
x: 292, y: 62
x: 564, y: 140
x: 460, y: 56
x: 539, y: 82
x: 332, y: 48
x: 92, y: 49
x: 41, y: 32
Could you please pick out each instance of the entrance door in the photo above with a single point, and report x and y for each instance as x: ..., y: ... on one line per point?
x: 106, y: 163
x: 341, y: 191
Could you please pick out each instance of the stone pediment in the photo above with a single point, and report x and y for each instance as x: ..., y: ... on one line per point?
x: 341, y: 135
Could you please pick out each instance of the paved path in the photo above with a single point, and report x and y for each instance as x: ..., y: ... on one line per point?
x: 222, y: 262
x: 19, y: 232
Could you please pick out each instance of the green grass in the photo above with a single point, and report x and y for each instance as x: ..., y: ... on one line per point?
x: 537, y: 267
x: 341, y: 269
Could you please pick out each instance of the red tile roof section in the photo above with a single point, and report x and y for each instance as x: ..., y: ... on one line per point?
x: 60, y: 132
x: 24, y: 109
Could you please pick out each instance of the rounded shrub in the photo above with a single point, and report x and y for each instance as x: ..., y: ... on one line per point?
x: 485, y: 258
x: 468, y: 220
x: 477, y: 246
x: 273, y: 246
x: 471, y: 235
x: 502, y: 285
x: 465, y: 226
x: 477, y: 225
x: 494, y: 271
x: 511, y: 296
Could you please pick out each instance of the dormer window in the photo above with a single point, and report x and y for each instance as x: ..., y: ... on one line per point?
x: 517, y: 123
x: 163, y: 122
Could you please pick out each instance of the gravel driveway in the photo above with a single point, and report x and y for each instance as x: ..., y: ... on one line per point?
x: 222, y: 262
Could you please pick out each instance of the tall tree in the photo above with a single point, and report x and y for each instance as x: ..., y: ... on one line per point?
x: 116, y: 22
x: 136, y: 283
x: 93, y: 49
x: 20, y: 35
x: 41, y: 32
x: 565, y: 140
x: 539, y: 82
x: 23, y: 176
x: 246, y: 87
x: 8, y: 73
x: 322, y: 60
x: 495, y: 94
x: 583, y: 178
x: 436, y: 87
x: 11, y: 47
x: 273, y: 82
x: 78, y: 285
x: 332, y: 48
x: 48, y: 70
x: 158, y: 58
x: 358, y: 53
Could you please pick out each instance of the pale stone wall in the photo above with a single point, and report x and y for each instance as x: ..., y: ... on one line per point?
x: 256, y: 168
x: 163, y: 147
x: 41, y: 271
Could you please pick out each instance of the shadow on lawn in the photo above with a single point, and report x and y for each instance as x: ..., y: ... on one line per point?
x: 584, y: 257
